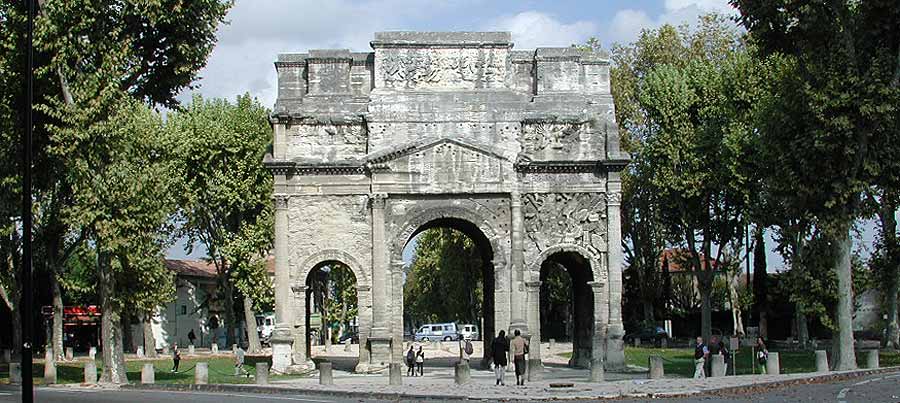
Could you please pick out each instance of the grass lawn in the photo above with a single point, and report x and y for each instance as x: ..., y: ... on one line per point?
x: 680, y: 362
x: 221, y: 370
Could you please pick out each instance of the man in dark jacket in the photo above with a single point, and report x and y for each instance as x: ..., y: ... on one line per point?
x: 500, y: 349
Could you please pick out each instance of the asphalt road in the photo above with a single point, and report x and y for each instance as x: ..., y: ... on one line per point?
x: 881, y: 388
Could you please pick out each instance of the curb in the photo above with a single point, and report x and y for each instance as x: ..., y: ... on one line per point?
x: 270, y: 390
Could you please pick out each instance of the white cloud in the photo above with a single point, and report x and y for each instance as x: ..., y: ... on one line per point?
x: 532, y: 29
x: 627, y: 24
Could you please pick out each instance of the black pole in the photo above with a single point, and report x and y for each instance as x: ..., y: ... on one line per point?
x: 25, y: 308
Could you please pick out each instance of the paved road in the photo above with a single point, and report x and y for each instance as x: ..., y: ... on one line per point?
x: 882, y: 388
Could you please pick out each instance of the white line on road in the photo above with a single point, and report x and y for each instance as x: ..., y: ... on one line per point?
x: 842, y: 395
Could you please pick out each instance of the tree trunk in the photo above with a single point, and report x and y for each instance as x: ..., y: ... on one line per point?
x: 57, y: 330
x: 250, y: 319
x: 844, y: 355
x: 892, y: 286
x: 228, y: 306
x: 760, y: 280
x: 705, y: 312
x: 111, y: 323
x: 802, y: 328
x: 736, y: 317
x: 149, y: 339
x: 648, y: 311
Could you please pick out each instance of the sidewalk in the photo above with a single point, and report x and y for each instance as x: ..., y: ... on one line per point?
x: 438, y: 384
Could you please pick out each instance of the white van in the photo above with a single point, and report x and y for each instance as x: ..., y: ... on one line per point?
x: 470, y: 332
x: 437, y: 331
x: 265, y: 325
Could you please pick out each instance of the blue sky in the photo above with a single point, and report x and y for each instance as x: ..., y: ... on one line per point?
x: 260, y: 29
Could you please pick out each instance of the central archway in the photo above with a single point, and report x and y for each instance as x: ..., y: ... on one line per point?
x: 485, y: 242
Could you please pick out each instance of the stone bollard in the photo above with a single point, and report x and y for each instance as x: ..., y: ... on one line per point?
x: 15, y: 373
x: 821, y: 361
x: 395, y: 373
x: 201, y: 373
x: 461, y: 372
x: 552, y: 343
x: 872, y: 359
x: 535, y: 369
x: 325, y: 375
x: 773, y: 366
x: 262, y: 373
x: 140, y: 352
x: 90, y: 373
x: 347, y: 345
x: 656, y: 367
x: 214, y: 348
x: 70, y: 353
x: 49, y: 367
x: 637, y: 341
x: 718, y: 365
x: 148, y: 374
x: 597, y: 373
x: 191, y: 349
x: 234, y: 348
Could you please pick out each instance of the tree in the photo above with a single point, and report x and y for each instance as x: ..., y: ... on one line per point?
x: 760, y: 281
x: 221, y: 149
x: 885, y: 261
x: 248, y: 251
x: 700, y: 144
x: 444, y: 283
x: 833, y: 122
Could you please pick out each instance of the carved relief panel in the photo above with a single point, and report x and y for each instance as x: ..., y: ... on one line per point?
x: 572, y: 218
x: 542, y: 141
x: 326, y: 142
x: 457, y: 68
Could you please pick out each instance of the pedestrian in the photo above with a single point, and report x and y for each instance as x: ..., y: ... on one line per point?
x: 410, y: 361
x: 420, y: 361
x: 239, y: 362
x: 519, y: 348
x: 466, y: 349
x: 723, y: 349
x: 176, y: 357
x: 762, y: 354
x: 500, y: 349
x: 701, y: 353
x: 192, y: 337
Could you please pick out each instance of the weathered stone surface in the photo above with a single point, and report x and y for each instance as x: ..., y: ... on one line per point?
x: 148, y: 373
x: 718, y: 365
x: 518, y: 149
x: 15, y: 373
x: 822, y: 361
x: 90, y: 373
x: 325, y: 375
x: 201, y: 373
x: 773, y: 364
x: 872, y: 359
x: 657, y: 370
x: 462, y: 373
x: 262, y: 373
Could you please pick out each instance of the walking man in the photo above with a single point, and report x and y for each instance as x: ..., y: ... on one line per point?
x: 192, y: 337
x: 500, y: 349
x: 519, y: 348
x: 410, y: 361
x: 176, y: 357
x: 466, y: 349
x: 701, y: 353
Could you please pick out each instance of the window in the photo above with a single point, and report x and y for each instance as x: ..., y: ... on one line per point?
x: 184, y: 309
x: 435, y: 328
x: 448, y: 328
x: 268, y: 322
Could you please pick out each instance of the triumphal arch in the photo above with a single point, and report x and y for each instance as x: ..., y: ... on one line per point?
x: 518, y: 149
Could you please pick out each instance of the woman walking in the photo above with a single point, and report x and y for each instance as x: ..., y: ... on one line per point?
x: 762, y: 355
x: 500, y: 350
x: 420, y: 361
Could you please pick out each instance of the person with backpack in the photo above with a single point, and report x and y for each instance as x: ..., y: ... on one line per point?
x: 176, y: 357
x: 762, y: 354
x: 420, y: 361
x: 466, y: 349
x: 499, y: 351
x: 701, y: 352
x: 410, y: 361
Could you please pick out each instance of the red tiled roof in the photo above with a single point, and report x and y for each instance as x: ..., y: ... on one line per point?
x: 203, y: 268
x: 674, y: 257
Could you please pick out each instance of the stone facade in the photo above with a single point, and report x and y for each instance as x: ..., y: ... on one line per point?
x: 518, y: 149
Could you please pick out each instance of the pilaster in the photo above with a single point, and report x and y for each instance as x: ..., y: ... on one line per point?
x: 615, y: 349
x: 282, y: 335
x: 517, y: 266
x: 535, y: 366
x: 380, y: 335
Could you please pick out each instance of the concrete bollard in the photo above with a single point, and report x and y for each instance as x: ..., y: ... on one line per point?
x: 90, y: 373
x: 15, y: 373
x: 535, y: 369
x: 597, y: 374
x: 49, y: 367
x: 773, y: 365
x: 325, y: 375
x: 462, y: 373
x: 148, y: 374
x: 637, y: 341
x: 234, y: 348
x: 214, y: 348
x: 70, y: 353
x: 872, y: 359
x: 718, y: 365
x: 821, y: 361
x: 262, y: 373
x: 347, y: 345
x: 327, y: 343
x: 140, y: 352
x: 395, y: 373
x: 656, y: 367
x: 191, y: 349
x: 6, y: 358
x: 201, y: 373
x: 552, y: 344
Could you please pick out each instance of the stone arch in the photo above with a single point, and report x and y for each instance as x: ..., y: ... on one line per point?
x: 598, y: 270
x: 420, y: 218
x: 301, y: 271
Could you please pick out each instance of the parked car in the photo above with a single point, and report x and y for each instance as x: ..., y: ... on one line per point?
x: 652, y: 334
x: 437, y: 331
x: 265, y: 325
x: 469, y: 332
x: 352, y: 336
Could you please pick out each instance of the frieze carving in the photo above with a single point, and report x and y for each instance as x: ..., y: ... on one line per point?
x: 574, y: 218
x: 438, y: 68
x: 557, y: 137
x: 331, y: 134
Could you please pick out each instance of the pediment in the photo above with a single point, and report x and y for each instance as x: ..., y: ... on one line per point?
x: 439, y: 145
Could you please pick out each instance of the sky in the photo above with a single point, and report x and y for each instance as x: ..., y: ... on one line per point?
x: 258, y: 30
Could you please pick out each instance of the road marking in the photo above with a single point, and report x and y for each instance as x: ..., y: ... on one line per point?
x: 260, y: 397
x: 842, y: 395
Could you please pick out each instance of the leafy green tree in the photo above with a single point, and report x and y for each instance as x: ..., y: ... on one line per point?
x: 885, y: 261
x: 444, y: 283
x: 247, y: 252
x: 832, y: 122
x: 226, y: 203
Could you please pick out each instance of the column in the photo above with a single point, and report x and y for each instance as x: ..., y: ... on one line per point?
x: 615, y: 349
x: 601, y: 320
x: 397, y: 312
x: 299, y: 351
x: 533, y: 292
x: 517, y: 266
x: 364, y: 321
x: 281, y: 336
x: 380, y: 336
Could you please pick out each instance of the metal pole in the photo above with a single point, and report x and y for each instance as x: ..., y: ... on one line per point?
x: 25, y: 308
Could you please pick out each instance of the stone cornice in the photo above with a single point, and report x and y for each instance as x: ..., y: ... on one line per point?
x: 293, y: 168
x: 525, y: 166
